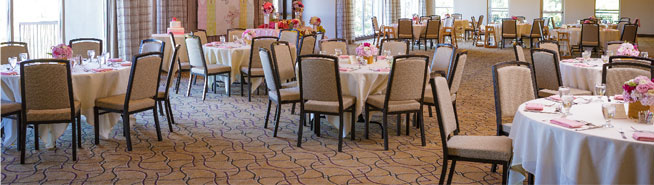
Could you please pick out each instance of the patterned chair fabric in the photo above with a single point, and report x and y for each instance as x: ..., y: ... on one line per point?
x: 589, y: 35
x: 457, y: 77
x: 290, y: 36
x: 151, y: 45
x: 552, y: 46
x: 329, y: 46
x: 509, y: 29
x: 81, y: 46
x: 203, y: 36
x: 519, y: 53
x: 397, y: 47
x: 46, y: 91
x: 238, y: 32
x: 284, y: 59
x: 12, y: 49
x: 308, y: 45
x: 616, y: 76
x: 405, y: 29
x: 433, y: 28
x: 443, y: 57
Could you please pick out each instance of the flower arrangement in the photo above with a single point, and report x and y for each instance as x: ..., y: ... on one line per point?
x: 294, y: 23
x: 415, y: 18
x: 628, y: 49
x: 315, y: 21
x: 366, y: 50
x: 62, y: 51
x: 514, y: 17
x: 248, y: 35
x: 268, y: 8
x: 591, y: 19
x: 320, y: 29
x: 640, y: 89
x: 298, y: 6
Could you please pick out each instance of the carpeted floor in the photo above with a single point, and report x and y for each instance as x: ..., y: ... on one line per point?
x: 222, y: 140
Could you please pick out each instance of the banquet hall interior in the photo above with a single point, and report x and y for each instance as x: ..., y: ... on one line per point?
x: 327, y: 91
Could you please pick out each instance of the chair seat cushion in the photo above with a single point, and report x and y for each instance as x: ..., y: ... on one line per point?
x: 328, y: 106
x: 51, y: 114
x: 185, y: 65
x: 212, y: 69
x: 287, y: 94
x: 480, y: 147
x: 573, y: 91
x: 589, y: 43
x: 254, y: 72
x: 9, y: 107
x: 117, y: 102
x: 393, y: 106
x: 289, y: 84
x: 508, y: 35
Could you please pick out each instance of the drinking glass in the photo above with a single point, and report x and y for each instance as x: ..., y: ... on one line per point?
x: 387, y: 53
x: 338, y: 52
x: 91, y: 54
x: 222, y: 39
x: 12, y: 62
x: 605, y: 58
x: 644, y: 54
x: 234, y: 38
x: 566, y: 100
x: 586, y: 55
x: 22, y: 56
x: 600, y: 90
x: 608, y: 110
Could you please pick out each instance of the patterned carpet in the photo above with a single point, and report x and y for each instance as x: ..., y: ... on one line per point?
x: 222, y: 140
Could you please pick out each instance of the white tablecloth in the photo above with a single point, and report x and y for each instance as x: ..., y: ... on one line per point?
x: 260, y: 32
x: 418, y: 29
x: 87, y: 87
x: 522, y: 28
x: 236, y: 56
x: 606, y: 35
x: 558, y: 155
x: 182, y: 54
x: 581, y: 75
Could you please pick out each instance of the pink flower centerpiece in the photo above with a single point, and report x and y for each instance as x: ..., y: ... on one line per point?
x: 61, y: 51
x: 248, y: 35
x: 628, y: 49
x: 639, y: 92
x: 268, y: 8
x: 298, y: 6
x: 367, y: 50
x: 315, y: 21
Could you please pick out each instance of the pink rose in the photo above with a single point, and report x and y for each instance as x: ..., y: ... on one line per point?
x: 643, y: 88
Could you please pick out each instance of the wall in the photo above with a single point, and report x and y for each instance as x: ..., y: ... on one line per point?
x: 639, y: 9
x: 528, y: 8
x: 577, y: 9
x: 471, y: 8
x: 325, y: 10
x: 84, y: 19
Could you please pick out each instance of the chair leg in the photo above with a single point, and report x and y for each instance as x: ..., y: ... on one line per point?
x: 279, y: 115
x: 206, y: 86
x: 79, y: 130
x: 429, y: 109
x: 352, y: 125
x: 421, y: 123
x: 96, y: 127
x: 36, y: 137
x: 249, y: 89
x: 505, y: 172
x: 415, y: 116
x: 385, y: 130
x: 169, y: 114
x: 316, y: 121
x: 229, y: 84
x: 340, y: 133
x: 179, y: 79
x: 156, y: 123
x: 494, y: 168
x: 190, y: 82
x: 213, y: 85
x: 126, y: 130
x: 21, y: 138
x: 73, y: 126
x: 293, y: 109
x: 443, y: 172
x: 449, y: 178
x: 301, y: 127
x: 161, y: 108
x: 367, y: 120
x: 265, y: 124
x: 530, y: 178
x: 399, y: 125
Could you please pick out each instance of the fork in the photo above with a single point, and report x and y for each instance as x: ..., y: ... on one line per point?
x: 622, y: 133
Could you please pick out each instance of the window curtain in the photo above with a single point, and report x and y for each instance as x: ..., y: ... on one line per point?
x: 393, y: 11
x: 345, y: 18
x: 167, y: 9
x: 134, y: 23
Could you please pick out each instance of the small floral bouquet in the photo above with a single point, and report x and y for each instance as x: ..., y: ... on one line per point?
x: 320, y: 29
x: 248, y: 35
x: 294, y: 23
x: 366, y: 50
x: 268, y: 8
x: 514, y: 17
x: 62, y: 51
x: 628, y: 49
x: 591, y: 19
x: 415, y: 18
x: 640, y: 89
x: 315, y: 21
x: 298, y: 6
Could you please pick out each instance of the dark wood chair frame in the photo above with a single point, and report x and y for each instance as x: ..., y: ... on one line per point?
x: 556, y: 66
x: 249, y: 77
x: 206, y: 75
x: 166, y: 99
x: 278, y: 85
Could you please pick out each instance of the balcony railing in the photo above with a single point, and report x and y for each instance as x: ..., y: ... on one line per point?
x: 40, y: 37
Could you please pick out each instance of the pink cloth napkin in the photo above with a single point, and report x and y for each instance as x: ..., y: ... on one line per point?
x: 568, y: 61
x: 618, y: 97
x: 383, y: 70
x: 582, y: 65
x: 554, y: 98
x: 10, y: 73
x: 644, y: 136
x: 102, y: 70
x: 342, y: 69
x: 126, y: 64
x: 534, y: 106
x: 566, y: 123
x: 344, y: 56
x: 381, y: 58
x: 115, y: 60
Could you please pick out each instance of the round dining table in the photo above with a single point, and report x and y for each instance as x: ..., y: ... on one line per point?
x: 581, y: 74
x: 88, y: 85
x: 521, y: 28
x: 418, y: 29
x: 588, y: 154
x: 606, y: 35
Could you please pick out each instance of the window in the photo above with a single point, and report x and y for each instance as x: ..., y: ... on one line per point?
x: 443, y: 7
x: 364, y: 10
x: 554, y: 9
x: 409, y: 8
x: 497, y: 10
x: 607, y: 10
x: 38, y: 23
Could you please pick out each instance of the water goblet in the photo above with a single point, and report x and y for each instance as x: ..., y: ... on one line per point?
x: 338, y: 52
x: 22, y: 56
x: 644, y: 54
x: 387, y: 53
x: 91, y: 54
x: 608, y: 111
x: 605, y: 58
x: 12, y: 62
x: 600, y: 90
x: 222, y: 39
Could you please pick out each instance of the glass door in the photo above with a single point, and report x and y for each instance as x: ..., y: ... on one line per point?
x: 39, y: 24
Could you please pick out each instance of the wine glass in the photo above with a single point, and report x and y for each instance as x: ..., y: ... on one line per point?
x: 22, y: 56
x: 586, y: 55
x: 566, y: 99
x: 338, y: 52
x: 608, y: 110
x: 12, y: 62
x: 387, y: 53
x: 644, y: 54
x: 222, y: 39
x: 605, y: 58
x: 91, y: 54
x: 234, y: 38
x: 600, y: 90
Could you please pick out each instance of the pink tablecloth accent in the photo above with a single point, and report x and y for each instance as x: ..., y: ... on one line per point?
x: 265, y: 32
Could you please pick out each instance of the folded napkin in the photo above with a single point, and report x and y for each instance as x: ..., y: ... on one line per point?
x: 342, y: 69
x: 126, y: 64
x: 566, y: 123
x: 554, y: 98
x: 344, y: 56
x: 383, y: 70
x: 381, y: 57
x: 618, y: 97
x: 534, y: 106
x: 582, y: 65
x: 115, y: 60
x: 644, y: 136
x: 102, y: 70
x: 9, y: 73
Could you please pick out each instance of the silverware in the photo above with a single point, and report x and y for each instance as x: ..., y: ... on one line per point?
x: 636, y: 130
x: 589, y: 128
x: 622, y: 133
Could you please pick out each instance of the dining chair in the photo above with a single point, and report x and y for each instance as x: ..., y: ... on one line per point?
x: 199, y: 67
x: 454, y: 78
x: 203, y: 36
x: 614, y: 75
x: 590, y: 36
x: 238, y: 32
x: 479, y: 31
x: 253, y: 68
x: 536, y: 32
x: 139, y: 96
x: 181, y: 66
x: 151, y: 45
x: 378, y: 34
x: 629, y: 33
x: 81, y: 46
x: 320, y: 94
x: 12, y: 49
x: 276, y: 93
x: 319, y: 38
x: 329, y: 46
x: 613, y: 46
x: 431, y: 32
x: 291, y: 36
x: 395, y: 46
x: 457, y: 16
x: 46, y: 92
x: 444, y: 56
x: 631, y: 59
x: 405, y: 94
x: 547, y: 74
x: 163, y: 98
x: 405, y: 30
x: 513, y: 84
x: 307, y: 45
x: 283, y: 58
x: 424, y: 19
x: 12, y: 110
x: 519, y: 52
x: 469, y: 30
x: 509, y: 31
x: 435, y: 17
x: 483, y: 149
x: 551, y: 45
